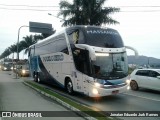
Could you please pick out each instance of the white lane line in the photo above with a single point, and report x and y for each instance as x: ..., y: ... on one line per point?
x: 142, y: 97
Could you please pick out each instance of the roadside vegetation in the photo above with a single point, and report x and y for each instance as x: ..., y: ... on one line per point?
x: 93, y: 113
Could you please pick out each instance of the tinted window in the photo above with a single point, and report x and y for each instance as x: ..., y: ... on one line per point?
x: 95, y: 36
x: 45, y: 48
x: 153, y: 74
x: 142, y: 72
x: 56, y: 44
x: 76, y: 36
x: 100, y: 37
x: 61, y: 46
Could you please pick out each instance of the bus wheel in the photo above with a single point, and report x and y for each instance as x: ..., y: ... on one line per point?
x: 69, y: 87
x: 134, y: 85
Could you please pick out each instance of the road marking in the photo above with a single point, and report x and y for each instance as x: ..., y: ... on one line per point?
x: 142, y: 97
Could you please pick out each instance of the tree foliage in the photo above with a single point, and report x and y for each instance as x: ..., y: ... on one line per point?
x: 24, y: 44
x: 86, y: 12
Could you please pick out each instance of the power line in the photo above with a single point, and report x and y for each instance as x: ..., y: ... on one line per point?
x: 8, y: 8
x: 153, y: 6
x: 25, y: 5
x: 28, y: 9
x: 140, y: 11
x: 139, y: 6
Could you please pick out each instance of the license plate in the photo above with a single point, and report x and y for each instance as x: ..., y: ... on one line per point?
x: 115, y: 92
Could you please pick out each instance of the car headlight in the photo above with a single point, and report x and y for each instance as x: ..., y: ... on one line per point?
x: 5, y: 68
x: 23, y: 71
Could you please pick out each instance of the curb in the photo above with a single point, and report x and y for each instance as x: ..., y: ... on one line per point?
x: 63, y: 103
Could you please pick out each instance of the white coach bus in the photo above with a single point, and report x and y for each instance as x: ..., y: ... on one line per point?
x: 86, y: 59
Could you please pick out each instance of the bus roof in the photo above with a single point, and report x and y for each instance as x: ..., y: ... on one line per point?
x: 67, y: 28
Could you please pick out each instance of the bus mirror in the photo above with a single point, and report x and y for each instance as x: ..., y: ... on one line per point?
x: 86, y: 47
x: 135, y: 51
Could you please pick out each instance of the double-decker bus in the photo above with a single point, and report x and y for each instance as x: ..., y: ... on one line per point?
x: 87, y: 59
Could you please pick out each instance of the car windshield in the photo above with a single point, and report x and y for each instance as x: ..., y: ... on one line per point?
x: 112, y: 66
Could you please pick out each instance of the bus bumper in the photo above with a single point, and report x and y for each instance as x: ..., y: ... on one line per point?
x: 99, y: 92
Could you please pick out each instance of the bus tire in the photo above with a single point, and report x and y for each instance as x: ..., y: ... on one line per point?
x: 134, y: 85
x: 69, y: 87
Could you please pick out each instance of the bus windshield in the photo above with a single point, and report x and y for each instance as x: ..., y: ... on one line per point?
x: 111, y: 66
x: 107, y: 38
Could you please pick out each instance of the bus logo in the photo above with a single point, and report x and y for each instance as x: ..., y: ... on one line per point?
x: 53, y: 58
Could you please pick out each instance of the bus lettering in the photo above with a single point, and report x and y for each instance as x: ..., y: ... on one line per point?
x: 53, y: 58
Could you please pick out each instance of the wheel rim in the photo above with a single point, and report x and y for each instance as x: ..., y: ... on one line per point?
x: 69, y: 87
x: 134, y: 85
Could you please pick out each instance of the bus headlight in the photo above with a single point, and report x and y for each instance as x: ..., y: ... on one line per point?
x: 97, y: 84
x: 95, y: 91
x: 23, y: 71
x: 128, y: 81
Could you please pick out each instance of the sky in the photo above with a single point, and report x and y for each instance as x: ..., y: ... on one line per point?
x: 139, y: 22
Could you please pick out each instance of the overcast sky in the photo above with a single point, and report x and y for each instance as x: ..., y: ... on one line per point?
x: 139, y: 25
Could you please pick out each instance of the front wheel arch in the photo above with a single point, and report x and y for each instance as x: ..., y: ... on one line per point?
x: 69, y: 86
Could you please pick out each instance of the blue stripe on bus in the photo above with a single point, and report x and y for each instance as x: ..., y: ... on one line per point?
x: 113, y: 82
x: 46, y: 75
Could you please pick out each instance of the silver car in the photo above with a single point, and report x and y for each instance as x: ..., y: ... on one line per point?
x: 145, y: 78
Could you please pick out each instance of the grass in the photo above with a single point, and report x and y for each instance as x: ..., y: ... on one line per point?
x: 96, y: 114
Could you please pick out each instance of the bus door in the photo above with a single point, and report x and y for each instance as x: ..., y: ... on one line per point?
x: 81, y: 59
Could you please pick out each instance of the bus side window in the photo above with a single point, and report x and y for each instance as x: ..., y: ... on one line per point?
x: 76, y: 36
x: 62, y: 45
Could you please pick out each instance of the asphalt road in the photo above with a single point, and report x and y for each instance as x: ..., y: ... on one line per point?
x: 142, y: 100
x: 15, y: 96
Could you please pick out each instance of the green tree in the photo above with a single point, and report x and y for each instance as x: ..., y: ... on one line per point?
x: 6, y: 53
x: 28, y: 41
x: 86, y: 12
x: 44, y: 35
x: 13, y: 48
x: 24, y: 44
